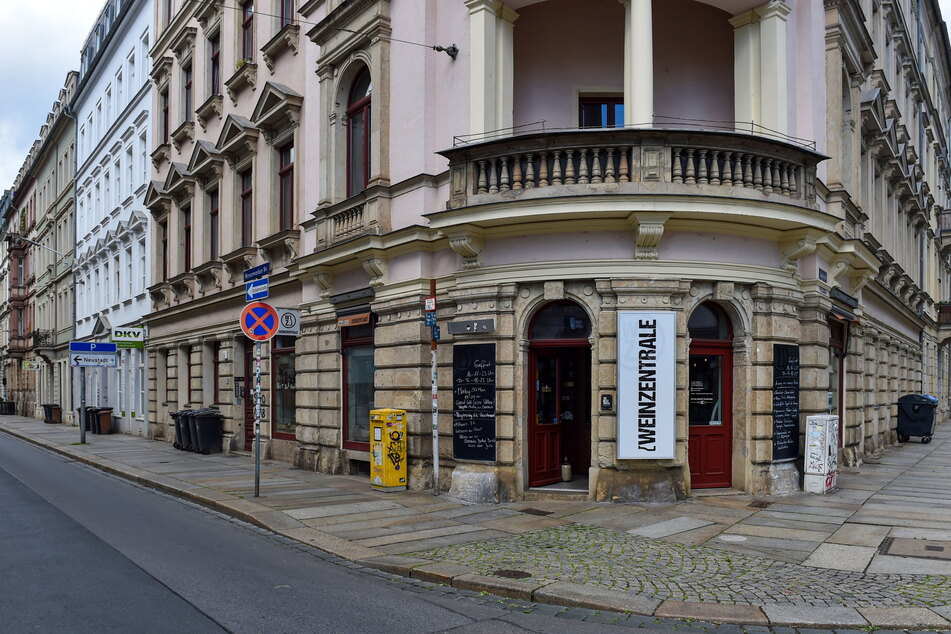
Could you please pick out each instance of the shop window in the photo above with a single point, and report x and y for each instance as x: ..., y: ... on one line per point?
x: 283, y: 387
x: 837, y: 351
x: 358, y: 133
x: 708, y: 322
x: 358, y: 368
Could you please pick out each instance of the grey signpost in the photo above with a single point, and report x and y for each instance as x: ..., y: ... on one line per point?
x: 255, y: 327
x: 89, y: 354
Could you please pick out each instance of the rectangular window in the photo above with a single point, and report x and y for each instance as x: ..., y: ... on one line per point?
x: 130, y: 263
x: 163, y: 252
x: 187, y: 100
x: 287, y: 12
x: 186, y: 238
x: 247, y: 30
x: 163, y: 105
x: 283, y: 387
x: 214, y: 57
x: 358, y: 368
x: 213, y: 224
x: 247, y: 232
x: 601, y: 112
x: 215, y: 372
x: 286, y: 177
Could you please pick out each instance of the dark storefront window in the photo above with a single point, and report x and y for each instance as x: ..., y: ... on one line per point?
x: 284, y: 386
x: 837, y: 332
x: 358, y: 369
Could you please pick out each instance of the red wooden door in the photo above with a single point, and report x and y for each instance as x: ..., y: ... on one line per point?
x: 544, y: 429
x: 248, y: 397
x: 710, y: 413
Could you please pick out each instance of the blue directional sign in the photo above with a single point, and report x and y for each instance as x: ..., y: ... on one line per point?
x: 91, y: 346
x: 261, y: 270
x: 429, y: 319
x: 255, y: 290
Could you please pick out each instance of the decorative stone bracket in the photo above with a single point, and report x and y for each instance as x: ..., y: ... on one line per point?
x: 648, y: 230
x: 795, y: 250
x: 469, y: 244
x: 237, y: 261
x: 183, y: 285
x: 376, y: 268
x: 282, y: 247
x: 208, y: 276
x: 325, y: 282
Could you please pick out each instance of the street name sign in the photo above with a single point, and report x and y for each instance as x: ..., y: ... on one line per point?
x: 93, y: 359
x: 92, y: 346
x: 256, y: 290
x: 261, y: 270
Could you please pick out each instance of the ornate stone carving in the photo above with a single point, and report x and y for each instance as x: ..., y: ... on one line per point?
x: 376, y: 269
x: 649, y: 229
x: 469, y: 245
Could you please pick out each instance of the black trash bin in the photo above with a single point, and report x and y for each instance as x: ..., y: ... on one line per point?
x: 180, y: 439
x: 7, y: 408
x: 47, y: 412
x: 209, y: 423
x: 90, y: 418
x: 192, y: 427
x: 916, y: 417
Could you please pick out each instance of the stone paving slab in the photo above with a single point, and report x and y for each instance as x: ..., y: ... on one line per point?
x: 859, y: 535
x: 715, y: 612
x: 815, y: 616
x: 595, y: 598
x: 902, y: 617
x: 669, y: 527
x: 840, y: 557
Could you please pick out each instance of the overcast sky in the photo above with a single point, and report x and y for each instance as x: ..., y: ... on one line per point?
x: 39, y: 43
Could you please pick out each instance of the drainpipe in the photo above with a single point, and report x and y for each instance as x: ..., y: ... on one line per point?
x: 72, y: 379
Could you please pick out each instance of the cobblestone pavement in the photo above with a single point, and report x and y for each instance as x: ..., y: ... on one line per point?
x: 597, y: 556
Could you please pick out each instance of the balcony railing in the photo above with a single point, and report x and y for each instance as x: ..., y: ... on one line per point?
x: 43, y: 338
x: 584, y: 162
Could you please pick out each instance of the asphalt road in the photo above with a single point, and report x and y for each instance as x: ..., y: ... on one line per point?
x: 82, y: 551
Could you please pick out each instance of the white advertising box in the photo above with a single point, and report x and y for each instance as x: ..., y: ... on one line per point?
x: 647, y: 385
x: 822, y: 453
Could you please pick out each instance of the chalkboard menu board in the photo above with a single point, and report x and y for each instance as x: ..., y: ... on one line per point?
x: 785, y: 402
x: 473, y: 401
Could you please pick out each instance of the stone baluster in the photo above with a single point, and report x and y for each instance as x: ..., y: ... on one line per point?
x: 556, y: 168
x: 691, y: 175
x: 793, y: 183
x: 715, y: 168
x: 747, y: 171
x: 493, y: 178
x: 596, y: 165
x: 784, y: 178
x: 529, y: 170
x: 543, y: 169
x: 570, y: 167
x: 583, y: 167
x: 727, y: 175
x: 768, y: 176
x: 677, y: 176
x: 517, y: 171
x: 504, y: 177
x: 609, y: 166
x: 483, y: 186
x: 702, y: 167
x: 758, y: 173
x: 623, y: 168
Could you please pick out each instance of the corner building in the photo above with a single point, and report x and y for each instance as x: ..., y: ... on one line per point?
x: 770, y: 197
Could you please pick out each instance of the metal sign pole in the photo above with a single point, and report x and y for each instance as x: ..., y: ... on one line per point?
x: 82, y: 405
x: 257, y: 419
x: 435, y: 390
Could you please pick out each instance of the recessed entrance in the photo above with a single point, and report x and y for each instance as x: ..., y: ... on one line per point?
x: 559, y: 380
x: 710, y: 411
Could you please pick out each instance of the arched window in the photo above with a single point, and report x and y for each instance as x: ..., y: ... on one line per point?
x: 708, y: 322
x: 561, y: 320
x: 358, y: 133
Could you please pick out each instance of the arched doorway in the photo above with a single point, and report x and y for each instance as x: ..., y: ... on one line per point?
x: 710, y: 398
x: 559, y: 392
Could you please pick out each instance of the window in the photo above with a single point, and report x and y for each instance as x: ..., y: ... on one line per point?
x: 213, y: 224
x: 247, y: 30
x: 600, y: 112
x: 163, y: 105
x: 214, y: 59
x: 358, y: 369
x: 358, y: 134
x: 837, y: 351
x: 247, y: 232
x: 129, y: 276
x: 187, y: 100
x: 283, y: 387
x: 287, y: 12
x: 286, y: 178
x: 131, y: 72
x: 187, y: 238
x: 166, y: 12
x: 215, y: 372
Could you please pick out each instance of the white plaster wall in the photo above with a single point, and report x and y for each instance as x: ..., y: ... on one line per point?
x: 713, y: 247
x: 584, y: 245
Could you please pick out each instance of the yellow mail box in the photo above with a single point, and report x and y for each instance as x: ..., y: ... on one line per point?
x: 388, y: 449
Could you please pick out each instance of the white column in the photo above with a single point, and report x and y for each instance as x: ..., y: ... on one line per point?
x: 505, y: 68
x: 746, y: 70
x: 773, y: 65
x: 483, y: 67
x: 638, y: 64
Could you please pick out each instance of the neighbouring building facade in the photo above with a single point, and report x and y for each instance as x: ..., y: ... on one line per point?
x: 6, y: 202
x: 227, y: 194
x: 113, y: 106
x: 643, y: 252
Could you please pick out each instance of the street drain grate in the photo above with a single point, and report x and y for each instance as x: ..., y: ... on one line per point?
x: 759, y: 504
x: 536, y: 512
x: 512, y: 574
x: 920, y: 548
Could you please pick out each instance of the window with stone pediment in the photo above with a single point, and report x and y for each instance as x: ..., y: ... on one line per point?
x: 358, y: 133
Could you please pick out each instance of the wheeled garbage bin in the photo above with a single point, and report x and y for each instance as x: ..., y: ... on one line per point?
x: 916, y: 417
x: 47, y: 412
x: 180, y: 440
x: 192, y: 424
x: 104, y: 420
x: 209, y: 423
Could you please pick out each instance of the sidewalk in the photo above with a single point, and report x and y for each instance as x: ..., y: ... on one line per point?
x: 858, y: 557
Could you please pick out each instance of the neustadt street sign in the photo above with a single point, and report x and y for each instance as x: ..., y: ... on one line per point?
x: 93, y: 359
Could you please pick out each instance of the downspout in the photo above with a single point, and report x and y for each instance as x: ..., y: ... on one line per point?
x: 72, y: 379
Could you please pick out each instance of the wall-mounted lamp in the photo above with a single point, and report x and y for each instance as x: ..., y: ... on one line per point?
x: 452, y: 50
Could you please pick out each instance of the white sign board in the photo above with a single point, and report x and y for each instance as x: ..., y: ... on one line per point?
x: 289, y: 322
x: 93, y: 359
x: 822, y: 453
x: 647, y: 385
x: 128, y: 337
